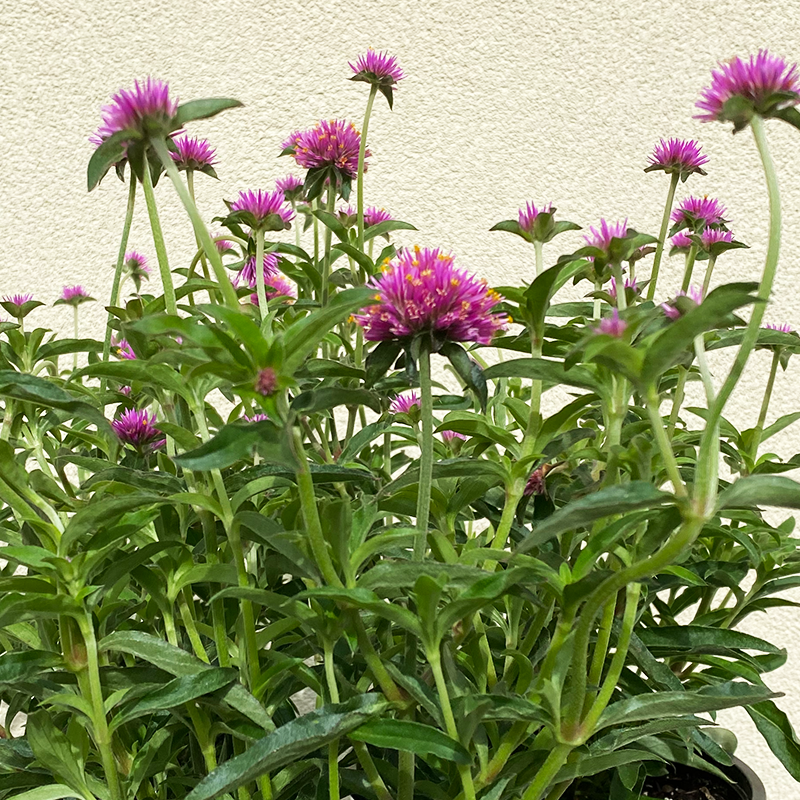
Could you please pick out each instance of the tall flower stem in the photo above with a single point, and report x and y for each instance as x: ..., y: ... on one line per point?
x: 326, y: 269
x: 75, y: 321
x: 712, y: 260
x: 687, y: 273
x: 200, y: 229
x: 762, y: 414
x: 426, y: 455
x: 362, y: 149
x: 158, y: 240
x: 705, y: 481
x: 537, y: 248
x: 123, y: 246
x: 102, y: 734
x: 333, y: 747
x: 662, y: 237
x: 652, y: 402
x: 260, y: 287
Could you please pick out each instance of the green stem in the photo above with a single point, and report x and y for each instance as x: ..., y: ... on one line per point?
x: 371, y: 771
x: 158, y: 240
x: 308, y: 506
x: 75, y: 321
x: 652, y: 402
x: 261, y: 289
x: 712, y: 260
x: 601, y: 645
x: 186, y: 607
x: 426, y: 455
x: 225, y: 285
x: 464, y: 771
x: 326, y: 268
x: 102, y: 734
x: 123, y: 246
x: 537, y: 248
x: 362, y: 149
x: 622, y: 298
x: 333, y: 747
x: 689, y: 269
x: 706, y: 481
x: 762, y: 415
x: 702, y: 365
x: 662, y: 237
x: 677, y: 400
x: 547, y: 772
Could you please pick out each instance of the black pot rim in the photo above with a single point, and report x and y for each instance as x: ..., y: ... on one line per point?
x: 757, y: 790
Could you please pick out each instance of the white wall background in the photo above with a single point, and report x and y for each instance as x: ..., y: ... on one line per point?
x: 504, y: 102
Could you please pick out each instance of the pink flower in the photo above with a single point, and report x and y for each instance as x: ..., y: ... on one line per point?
x: 276, y: 286
x: 374, y: 215
x: 330, y: 143
x: 403, y: 403
x: 247, y: 273
x: 629, y: 284
x: 73, y: 296
x: 146, y: 108
x: 713, y: 236
x: 783, y: 327
x: 528, y: 214
x: 266, y: 381
x: 264, y: 209
x: 695, y: 210
x: 255, y: 418
x: 677, y: 155
x: 765, y: 83
x: 193, y: 153
x: 18, y: 299
x: 612, y: 326
x: 535, y: 484
x: 450, y: 436
x: 135, y: 427
x: 681, y: 241
x: 601, y: 236
x: 421, y: 291
x: 124, y: 350
x: 377, y: 67
x: 671, y: 309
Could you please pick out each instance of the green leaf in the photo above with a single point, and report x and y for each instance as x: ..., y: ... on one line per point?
x: 62, y: 347
x: 158, y: 375
x: 544, y: 370
x: 360, y: 258
x: 695, y: 637
x: 178, y: 691
x: 237, y: 441
x: 56, y: 791
x: 413, y: 737
x: 611, y: 500
x: 778, y: 733
x: 592, y: 765
x: 468, y: 370
x: 380, y: 359
x: 203, y: 109
x: 303, y: 336
x: 661, y: 704
x: 326, y: 397
x: 387, y: 226
x: 757, y: 490
x: 511, y: 226
x: 111, y: 151
x: 288, y: 744
x: 331, y: 221
x: 22, y: 666
x: 52, y: 748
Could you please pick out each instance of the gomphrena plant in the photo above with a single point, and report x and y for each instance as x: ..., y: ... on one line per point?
x: 254, y: 545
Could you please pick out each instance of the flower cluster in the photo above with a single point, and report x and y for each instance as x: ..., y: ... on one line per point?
x: 193, y: 153
x: 699, y: 212
x: 73, y: 296
x: 135, y: 428
x: 330, y: 143
x: 677, y: 156
x: 263, y: 210
x: 421, y: 291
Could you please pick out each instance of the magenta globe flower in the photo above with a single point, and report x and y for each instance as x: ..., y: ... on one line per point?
x: 420, y: 291
x: 601, y: 236
x: 374, y: 216
x: 276, y: 286
x: 683, y: 303
x: 255, y: 418
x: 123, y: 350
x: 681, y: 242
x: 73, y: 296
x: 629, y: 284
x: 379, y: 69
x: 261, y: 210
x: 193, y: 153
x: 528, y: 214
x: 20, y: 305
x: 450, y: 436
x: 782, y: 327
x: 612, y: 326
x: 145, y: 109
x: 135, y: 428
x: 403, y: 403
x: 247, y: 274
x: 677, y: 156
x: 292, y: 188
x: 763, y: 84
x: 699, y: 212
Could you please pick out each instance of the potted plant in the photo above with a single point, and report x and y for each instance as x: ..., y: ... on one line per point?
x: 260, y: 489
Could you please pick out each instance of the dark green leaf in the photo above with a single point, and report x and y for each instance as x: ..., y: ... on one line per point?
x: 202, y: 109
x: 413, y: 737
x: 331, y: 396
x: 778, y: 733
x: 756, y: 490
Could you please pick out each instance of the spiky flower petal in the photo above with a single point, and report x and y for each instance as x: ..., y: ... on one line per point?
x: 378, y: 67
x: 374, y: 216
x: 73, y: 296
x: 681, y: 241
x: 612, y: 326
x: 276, y: 286
x: 700, y: 212
x: 147, y: 108
x: 528, y: 214
x: 18, y: 299
x: 266, y: 208
x: 122, y: 349
x: 247, y: 274
x: 193, y: 153
x: 421, y: 291
x: 255, y: 418
x: 403, y: 403
x: 677, y: 308
x: 602, y: 235
x: 761, y: 84
x: 330, y: 143
x: 135, y: 427
x: 681, y: 156
x: 711, y: 236
x: 449, y: 436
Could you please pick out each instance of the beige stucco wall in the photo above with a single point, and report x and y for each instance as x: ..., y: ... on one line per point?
x: 504, y: 102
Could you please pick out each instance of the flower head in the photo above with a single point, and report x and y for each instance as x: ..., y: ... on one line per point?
x: 146, y: 108
x: 194, y: 153
x: 676, y: 308
x: 681, y: 241
x: 783, y: 327
x: 136, y: 266
x: 612, y: 326
x: 255, y: 418
x: 528, y: 214
x: 73, y: 296
x: 535, y: 484
x: 601, y: 236
x: 266, y: 382
x: 699, y: 211
x: 223, y: 245
x: 265, y: 210
x: 681, y: 156
x: 247, y: 273
x: 135, y: 427
x: 403, y: 403
x: 330, y: 143
x: 449, y: 436
x: 762, y: 84
x: 20, y: 305
x: 629, y: 285
x: 711, y: 236
x: 276, y: 286
x: 377, y: 66
x: 421, y: 291
x: 374, y: 216
x: 18, y: 299
x: 291, y: 186
x: 124, y: 350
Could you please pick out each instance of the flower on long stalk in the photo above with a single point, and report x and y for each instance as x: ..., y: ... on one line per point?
x: 763, y: 84
x: 135, y: 428
x: 247, y: 274
x: 421, y: 291
x: 136, y: 268
x: 291, y: 186
x: 261, y: 210
x: 194, y: 153
x: 536, y: 224
x: 682, y: 303
x: 603, y: 235
x: 20, y: 305
x: 145, y: 109
x: 73, y: 296
x: 379, y: 69
x: 681, y: 242
x: 329, y: 151
x: 698, y: 213
x: 404, y: 403
x: 276, y: 286
x: 677, y: 156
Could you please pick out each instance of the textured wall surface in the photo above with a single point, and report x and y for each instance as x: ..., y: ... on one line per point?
x: 504, y: 102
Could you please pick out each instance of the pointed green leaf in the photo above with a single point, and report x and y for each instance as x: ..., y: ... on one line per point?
x: 413, y: 737
x: 203, y: 109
